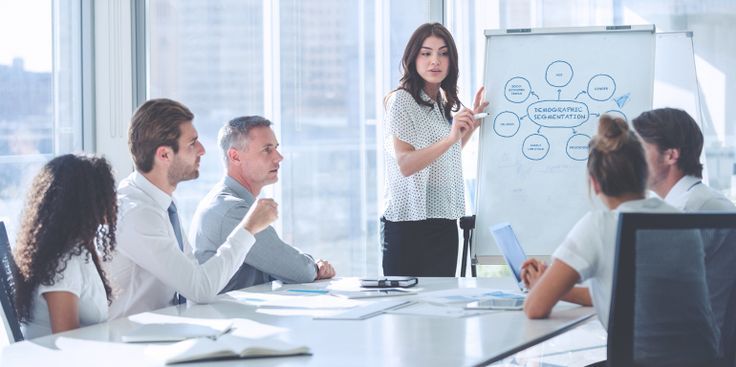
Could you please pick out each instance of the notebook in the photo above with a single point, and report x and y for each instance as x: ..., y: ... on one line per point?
x: 511, y: 250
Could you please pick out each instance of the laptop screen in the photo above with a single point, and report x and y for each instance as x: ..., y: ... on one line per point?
x: 510, y: 248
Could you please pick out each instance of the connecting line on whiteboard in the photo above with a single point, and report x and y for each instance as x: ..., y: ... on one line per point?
x: 535, y: 95
x: 573, y: 131
x: 523, y: 117
x: 595, y: 114
x: 558, y: 94
x: 539, y: 130
x: 580, y: 94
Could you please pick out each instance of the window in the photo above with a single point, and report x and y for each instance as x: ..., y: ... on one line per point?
x: 319, y: 71
x: 40, y: 93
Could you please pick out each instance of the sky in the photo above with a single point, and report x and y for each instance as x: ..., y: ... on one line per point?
x: 25, y: 32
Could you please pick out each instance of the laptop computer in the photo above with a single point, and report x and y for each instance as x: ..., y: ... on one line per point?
x: 511, y: 250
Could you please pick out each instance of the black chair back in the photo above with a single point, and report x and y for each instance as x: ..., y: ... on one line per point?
x: 7, y: 285
x: 661, y: 312
x: 720, y: 257
x: 728, y: 332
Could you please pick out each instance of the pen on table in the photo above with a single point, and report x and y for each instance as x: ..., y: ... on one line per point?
x: 479, y: 116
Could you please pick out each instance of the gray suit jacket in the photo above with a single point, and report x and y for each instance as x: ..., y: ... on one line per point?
x: 270, y: 258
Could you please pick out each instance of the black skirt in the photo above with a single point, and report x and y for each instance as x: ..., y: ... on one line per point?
x: 424, y: 248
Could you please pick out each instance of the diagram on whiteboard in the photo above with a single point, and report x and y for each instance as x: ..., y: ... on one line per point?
x: 567, y: 108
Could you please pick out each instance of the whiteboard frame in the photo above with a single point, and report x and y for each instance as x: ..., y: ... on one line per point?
x: 477, y: 259
x: 565, y: 30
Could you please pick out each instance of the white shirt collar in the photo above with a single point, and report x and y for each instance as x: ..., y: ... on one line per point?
x: 678, y: 194
x: 423, y: 95
x: 161, y: 198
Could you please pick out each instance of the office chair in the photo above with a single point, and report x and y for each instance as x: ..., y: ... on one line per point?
x: 720, y: 257
x: 661, y: 313
x: 7, y: 288
x: 728, y: 332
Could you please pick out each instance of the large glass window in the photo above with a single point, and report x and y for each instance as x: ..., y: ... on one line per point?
x: 319, y: 71
x: 40, y: 90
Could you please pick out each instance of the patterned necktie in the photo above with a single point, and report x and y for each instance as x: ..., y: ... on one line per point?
x: 174, y: 219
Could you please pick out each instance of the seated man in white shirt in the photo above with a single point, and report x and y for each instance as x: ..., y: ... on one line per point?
x: 153, y: 266
x: 673, y: 143
x: 251, y: 155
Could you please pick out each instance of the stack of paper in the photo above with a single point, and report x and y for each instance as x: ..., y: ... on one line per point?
x: 434, y: 310
x: 367, y: 311
x: 200, y: 349
x: 464, y: 295
x: 165, y: 328
x: 225, y: 347
x: 175, y: 332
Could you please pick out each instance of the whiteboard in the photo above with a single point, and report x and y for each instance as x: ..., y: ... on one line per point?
x: 547, y: 88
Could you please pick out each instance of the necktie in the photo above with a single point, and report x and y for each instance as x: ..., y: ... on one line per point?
x: 174, y: 219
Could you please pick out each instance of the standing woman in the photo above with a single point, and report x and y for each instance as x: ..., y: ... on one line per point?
x: 425, y: 194
x: 70, y: 214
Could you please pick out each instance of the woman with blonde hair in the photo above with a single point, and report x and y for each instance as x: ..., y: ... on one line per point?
x: 617, y: 171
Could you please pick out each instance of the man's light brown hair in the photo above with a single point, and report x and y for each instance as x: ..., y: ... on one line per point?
x: 156, y: 123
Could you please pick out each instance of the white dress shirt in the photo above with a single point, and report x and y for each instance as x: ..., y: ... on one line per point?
x: 690, y: 194
x: 147, y: 267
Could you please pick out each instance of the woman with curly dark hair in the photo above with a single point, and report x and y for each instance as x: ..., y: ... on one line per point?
x: 70, y: 215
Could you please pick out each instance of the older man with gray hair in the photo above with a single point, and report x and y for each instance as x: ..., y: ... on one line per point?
x: 252, y: 160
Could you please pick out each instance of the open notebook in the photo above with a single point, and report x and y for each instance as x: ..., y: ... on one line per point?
x: 227, y: 346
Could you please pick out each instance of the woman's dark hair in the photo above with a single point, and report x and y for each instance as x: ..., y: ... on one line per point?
x: 616, y: 158
x: 71, y: 208
x: 413, y: 83
x: 669, y: 128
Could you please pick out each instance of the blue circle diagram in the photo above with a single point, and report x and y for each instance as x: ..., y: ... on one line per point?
x: 577, y: 147
x: 601, y: 87
x: 517, y: 90
x: 559, y: 73
x: 506, y: 124
x: 535, y: 147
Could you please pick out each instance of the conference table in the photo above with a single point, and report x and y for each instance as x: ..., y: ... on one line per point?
x: 382, y: 340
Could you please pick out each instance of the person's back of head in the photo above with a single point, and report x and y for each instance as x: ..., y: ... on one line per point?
x: 671, y: 128
x: 71, y: 207
x: 155, y: 123
x: 616, y: 159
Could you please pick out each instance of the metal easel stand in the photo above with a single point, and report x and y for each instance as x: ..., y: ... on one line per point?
x: 467, y: 224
